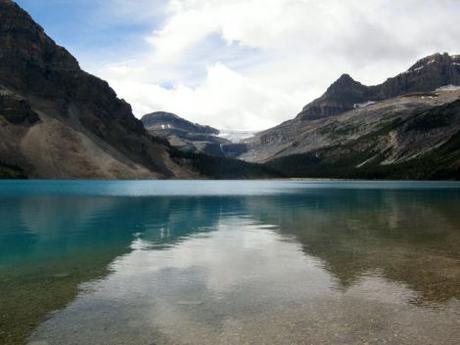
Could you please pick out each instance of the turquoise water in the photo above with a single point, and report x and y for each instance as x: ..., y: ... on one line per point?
x: 229, y: 262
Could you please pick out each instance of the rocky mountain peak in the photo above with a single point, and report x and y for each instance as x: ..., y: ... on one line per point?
x: 341, y: 96
x: 345, y: 79
x: 344, y: 86
x: 345, y: 94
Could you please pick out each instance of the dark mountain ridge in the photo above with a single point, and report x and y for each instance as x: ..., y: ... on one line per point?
x: 345, y: 94
x: 50, y: 105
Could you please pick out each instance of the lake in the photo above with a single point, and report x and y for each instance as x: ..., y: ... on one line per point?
x: 229, y: 262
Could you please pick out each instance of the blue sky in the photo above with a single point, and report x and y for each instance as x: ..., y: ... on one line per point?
x: 90, y: 28
x: 243, y: 64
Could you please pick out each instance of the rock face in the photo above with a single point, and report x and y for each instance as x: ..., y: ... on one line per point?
x: 57, y: 121
x: 190, y: 137
x: 345, y: 94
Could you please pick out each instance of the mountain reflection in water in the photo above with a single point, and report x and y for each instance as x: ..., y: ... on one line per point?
x: 311, y: 265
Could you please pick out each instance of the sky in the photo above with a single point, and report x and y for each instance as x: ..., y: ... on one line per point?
x: 244, y: 64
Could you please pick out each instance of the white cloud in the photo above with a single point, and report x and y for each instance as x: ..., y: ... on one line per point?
x: 225, y: 99
x: 253, y: 63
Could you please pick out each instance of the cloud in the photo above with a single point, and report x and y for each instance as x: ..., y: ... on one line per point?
x: 225, y: 99
x: 254, y: 63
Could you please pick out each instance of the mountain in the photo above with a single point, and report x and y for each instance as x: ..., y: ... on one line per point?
x: 341, y: 96
x: 190, y: 137
x: 57, y: 121
x: 163, y: 120
x: 408, y: 137
x: 345, y: 94
x: 407, y: 127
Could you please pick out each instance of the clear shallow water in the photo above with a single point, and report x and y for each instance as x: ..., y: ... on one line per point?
x: 269, y: 262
